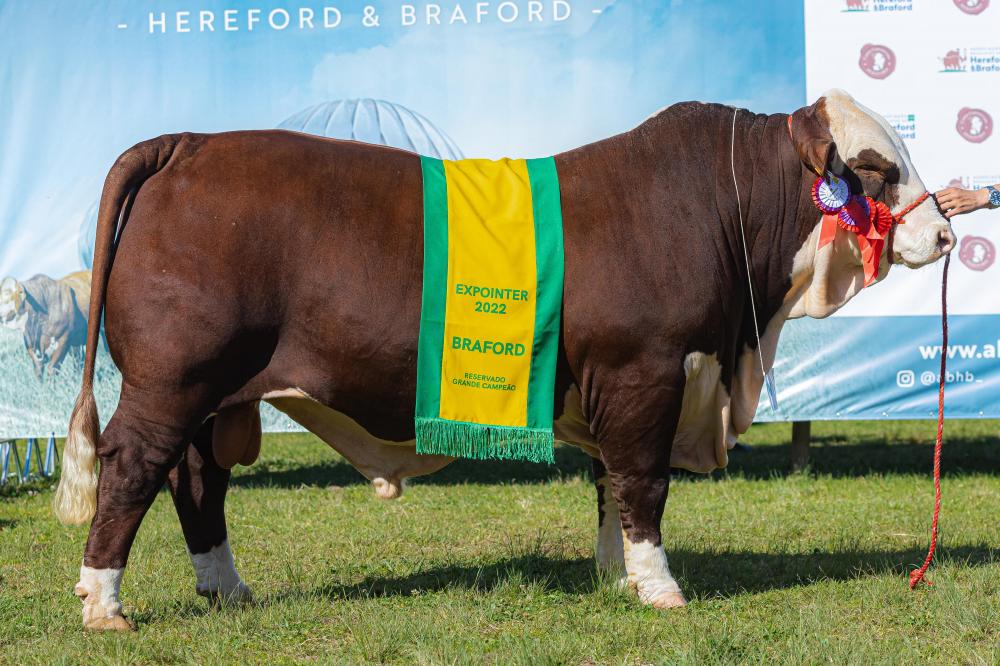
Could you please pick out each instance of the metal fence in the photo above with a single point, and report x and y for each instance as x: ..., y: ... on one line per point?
x: 14, y: 470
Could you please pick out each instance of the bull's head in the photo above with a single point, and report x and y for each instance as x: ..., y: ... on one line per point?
x: 12, y: 304
x: 840, y: 136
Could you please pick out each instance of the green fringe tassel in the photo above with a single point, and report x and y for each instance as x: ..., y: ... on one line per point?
x: 483, y: 442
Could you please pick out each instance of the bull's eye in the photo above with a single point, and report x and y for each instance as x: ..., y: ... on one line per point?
x: 872, y: 181
x: 876, y: 175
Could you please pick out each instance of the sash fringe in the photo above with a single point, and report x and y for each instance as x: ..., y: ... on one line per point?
x: 483, y: 442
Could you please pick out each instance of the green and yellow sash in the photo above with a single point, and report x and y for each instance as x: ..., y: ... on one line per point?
x: 489, y: 320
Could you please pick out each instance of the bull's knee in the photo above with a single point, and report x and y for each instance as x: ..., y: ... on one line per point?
x: 217, y: 578
x: 102, y: 609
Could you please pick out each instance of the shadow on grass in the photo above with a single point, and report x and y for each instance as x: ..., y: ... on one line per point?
x: 570, y: 462
x: 834, y: 456
x: 854, y: 457
x: 702, y: 575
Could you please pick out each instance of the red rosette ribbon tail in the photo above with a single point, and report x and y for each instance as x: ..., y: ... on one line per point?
x: 871, y: 253
x: 872, y: 243
x: 828, y: 230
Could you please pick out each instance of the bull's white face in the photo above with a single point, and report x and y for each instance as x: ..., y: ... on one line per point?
x: 874, y: 151
x: 12, y: 310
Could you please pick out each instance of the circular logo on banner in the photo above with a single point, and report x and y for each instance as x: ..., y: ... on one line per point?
x: 877, y: 61
x: 974, y: 125
x: 972, y: 6
x: 977, y: 253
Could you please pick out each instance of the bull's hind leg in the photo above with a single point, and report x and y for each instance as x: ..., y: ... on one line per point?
x: 143, y: 441
x: 636, y: 433
x: 198, y: 485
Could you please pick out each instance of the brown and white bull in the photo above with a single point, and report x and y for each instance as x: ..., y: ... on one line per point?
x: 248, y: 266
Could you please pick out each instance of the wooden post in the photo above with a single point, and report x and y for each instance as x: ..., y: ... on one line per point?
x: 800, y: 445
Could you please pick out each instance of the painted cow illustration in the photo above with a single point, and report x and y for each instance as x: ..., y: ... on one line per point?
x: 51, y: 316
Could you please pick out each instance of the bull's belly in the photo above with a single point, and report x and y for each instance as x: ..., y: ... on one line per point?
x: 387, y: 463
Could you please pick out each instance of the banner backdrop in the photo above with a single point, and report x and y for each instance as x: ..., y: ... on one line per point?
x: 932, y: 69
x: 80, y: 82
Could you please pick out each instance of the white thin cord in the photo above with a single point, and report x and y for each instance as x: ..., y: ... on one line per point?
x: 746, y: 255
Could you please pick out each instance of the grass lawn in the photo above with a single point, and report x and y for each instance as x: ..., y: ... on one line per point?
x: 493, y: 563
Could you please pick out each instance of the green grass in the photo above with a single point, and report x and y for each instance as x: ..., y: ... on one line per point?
x: 492, y: 563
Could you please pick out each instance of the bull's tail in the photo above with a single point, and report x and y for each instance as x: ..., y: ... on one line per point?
x: 76, y: 497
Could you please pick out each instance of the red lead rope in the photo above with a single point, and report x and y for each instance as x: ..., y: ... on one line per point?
x: 917, y: 575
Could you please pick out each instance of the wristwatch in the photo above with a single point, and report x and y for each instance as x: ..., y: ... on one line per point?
x: 994, y: 196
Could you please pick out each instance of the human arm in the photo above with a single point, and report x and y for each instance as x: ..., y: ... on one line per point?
x: 958, y: 201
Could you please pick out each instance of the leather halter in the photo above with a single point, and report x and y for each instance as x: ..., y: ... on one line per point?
x: 897, y: 218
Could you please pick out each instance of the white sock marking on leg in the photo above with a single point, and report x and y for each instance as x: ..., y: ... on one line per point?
x: 216, y: 572
x: 649, y: 574
x: 99, y: 589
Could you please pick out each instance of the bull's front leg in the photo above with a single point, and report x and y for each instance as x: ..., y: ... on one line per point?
x: 638, y: 419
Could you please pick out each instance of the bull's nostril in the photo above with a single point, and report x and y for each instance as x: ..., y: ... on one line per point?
x: 946, y: 241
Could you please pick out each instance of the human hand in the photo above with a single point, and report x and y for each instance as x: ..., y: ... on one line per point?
x: 957, y: 201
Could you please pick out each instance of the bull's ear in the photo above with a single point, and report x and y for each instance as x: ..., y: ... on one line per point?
x: 813, y: 141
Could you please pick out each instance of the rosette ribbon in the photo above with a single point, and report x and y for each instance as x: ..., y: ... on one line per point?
x: 871, y: 221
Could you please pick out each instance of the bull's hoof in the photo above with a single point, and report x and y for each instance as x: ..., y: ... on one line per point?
x: 98, y: 590
x: 112, y: 623
x: 667, y: 600
x: 238, y: 596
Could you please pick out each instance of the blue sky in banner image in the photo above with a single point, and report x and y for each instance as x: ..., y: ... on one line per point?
x: 82, y: 81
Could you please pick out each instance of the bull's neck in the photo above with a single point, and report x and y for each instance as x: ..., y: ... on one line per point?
x: 776, y: 212
x: 671, y: 182
x: 694, y: 150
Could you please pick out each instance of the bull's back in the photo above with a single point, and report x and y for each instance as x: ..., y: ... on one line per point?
x: 269, y: 246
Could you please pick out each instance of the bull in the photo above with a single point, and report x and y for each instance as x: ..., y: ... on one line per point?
x: 276, y: 266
